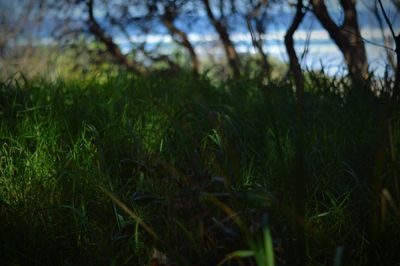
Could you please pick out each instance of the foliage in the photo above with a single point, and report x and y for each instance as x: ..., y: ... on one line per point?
x: 73, y: 152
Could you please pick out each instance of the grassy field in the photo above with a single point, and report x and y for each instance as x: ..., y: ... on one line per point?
x: 112, y: 170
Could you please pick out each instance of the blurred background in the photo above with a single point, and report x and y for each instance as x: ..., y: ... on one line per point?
x: 71, y: 37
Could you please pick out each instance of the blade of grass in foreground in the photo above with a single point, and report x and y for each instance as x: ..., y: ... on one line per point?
x: 135, y: 217
x: 158, y: 241
x: 262, y: 252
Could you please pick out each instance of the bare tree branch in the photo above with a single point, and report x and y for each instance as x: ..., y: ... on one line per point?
x: 230, y: 51
x: 396, y: 89
x: 347, y: 36
x: 375, y: 10
x: 180, y: 37
x: 111, y: 46
x: 387, y: 19
x: 253, y: 16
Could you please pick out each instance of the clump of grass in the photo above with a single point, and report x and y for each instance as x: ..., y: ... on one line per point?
x: 163, y: 146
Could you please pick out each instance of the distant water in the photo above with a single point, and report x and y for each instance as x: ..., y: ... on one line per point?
x: 321, y: 51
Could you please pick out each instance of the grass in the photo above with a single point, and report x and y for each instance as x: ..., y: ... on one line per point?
x: 106, y: 169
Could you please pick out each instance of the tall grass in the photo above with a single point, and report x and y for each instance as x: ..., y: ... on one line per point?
x: 162, y: 146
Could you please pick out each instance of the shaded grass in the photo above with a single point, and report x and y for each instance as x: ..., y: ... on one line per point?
x: 162, y: 146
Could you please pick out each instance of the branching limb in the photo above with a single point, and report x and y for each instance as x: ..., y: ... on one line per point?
x: 111, y: 46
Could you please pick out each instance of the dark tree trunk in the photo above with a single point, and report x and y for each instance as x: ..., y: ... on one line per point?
x: 294, y: 63
x: 347, y: 36
x: 299, y: 171
x: 396, y: 89
x: 230, y: 51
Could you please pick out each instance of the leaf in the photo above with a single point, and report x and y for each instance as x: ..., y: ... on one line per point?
x: 268, y: 248
x: 237, y: 254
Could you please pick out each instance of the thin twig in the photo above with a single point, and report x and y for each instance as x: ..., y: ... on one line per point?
x: 369, y: 41
x: 387, y: 19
